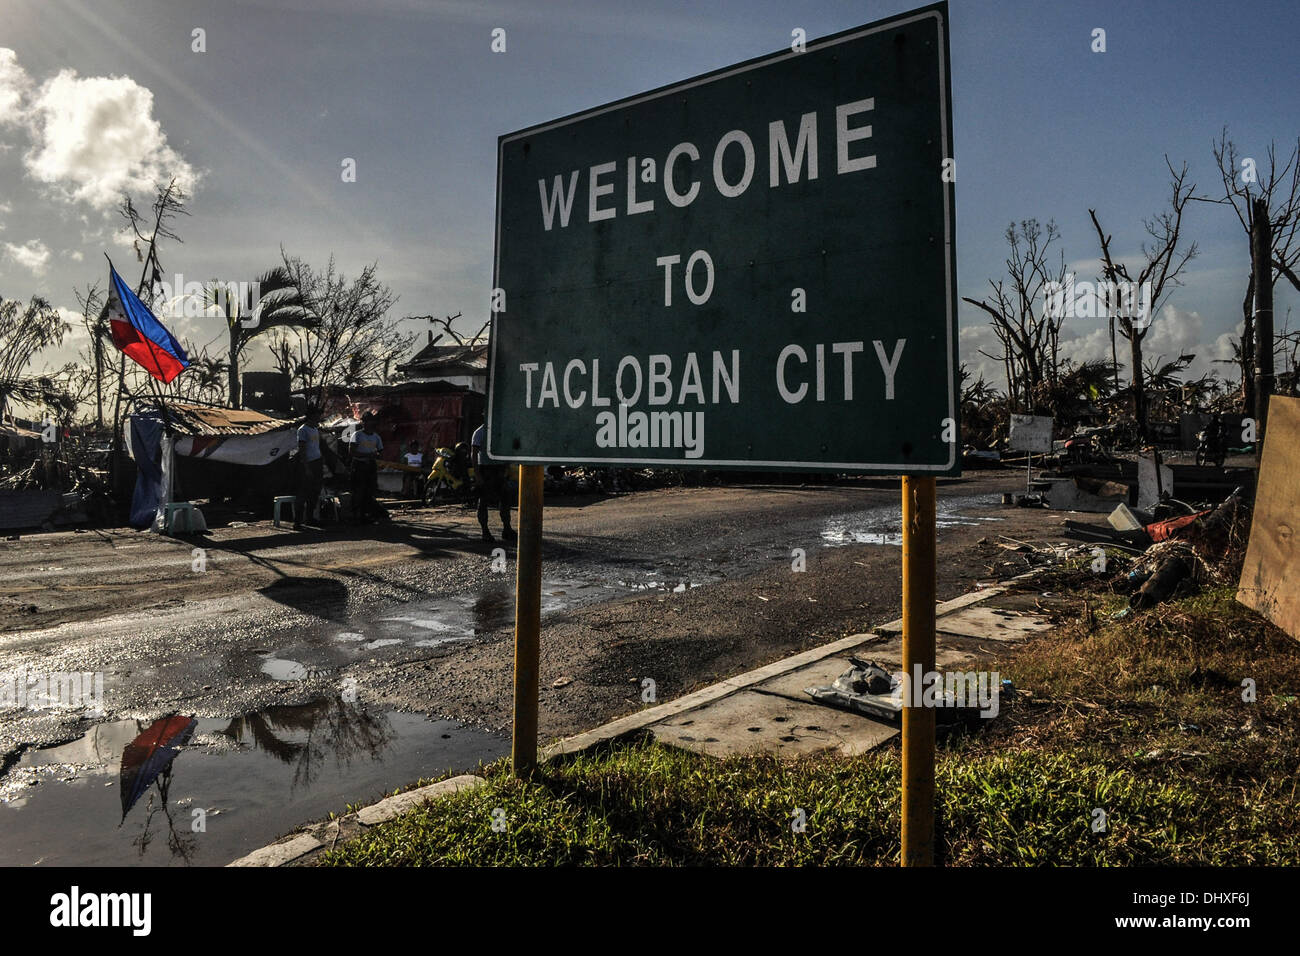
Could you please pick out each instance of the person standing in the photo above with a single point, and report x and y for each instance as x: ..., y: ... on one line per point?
x: 366, y: 446
x: 310, y: 469
x: 491, y: 480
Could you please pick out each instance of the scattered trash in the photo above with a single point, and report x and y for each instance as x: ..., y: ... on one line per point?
x: 562, y: 682
x: 1135, y: 542
x: 1164, y: 530
x: 865, y: 687
x: 868, y: 688
x: 1122, y: 519
x: 1173, y: 568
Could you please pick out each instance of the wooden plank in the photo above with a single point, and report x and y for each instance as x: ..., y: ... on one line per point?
x: 1273, y: 556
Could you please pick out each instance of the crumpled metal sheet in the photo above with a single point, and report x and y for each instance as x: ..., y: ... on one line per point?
x: 865, y: 687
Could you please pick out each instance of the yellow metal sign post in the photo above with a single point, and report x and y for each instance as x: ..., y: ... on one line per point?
x: 528, y: 620
x: 918, y: 660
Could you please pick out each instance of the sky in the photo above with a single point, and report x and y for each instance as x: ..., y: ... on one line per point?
x: 104, y: 97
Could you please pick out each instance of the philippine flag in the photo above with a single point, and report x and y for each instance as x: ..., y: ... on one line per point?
x: 140, y: 335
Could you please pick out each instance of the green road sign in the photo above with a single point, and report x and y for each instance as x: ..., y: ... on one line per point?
x: 751, y: 269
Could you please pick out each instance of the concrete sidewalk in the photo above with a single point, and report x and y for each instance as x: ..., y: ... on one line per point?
x: 765, y: 709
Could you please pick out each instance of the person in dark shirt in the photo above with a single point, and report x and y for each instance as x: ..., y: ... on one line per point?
x: 366, y: 446
x: 491, y: 487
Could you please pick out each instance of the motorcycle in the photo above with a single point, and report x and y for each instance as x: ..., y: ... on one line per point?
x: 451, y: 477
x: 1212, y: 443
x: 1091, y: 446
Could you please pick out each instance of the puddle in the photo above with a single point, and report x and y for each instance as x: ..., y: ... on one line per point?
x: 206, y: 791
x: 882, y: 526
x: 278, y: 669
x: 676, y: 587
x: 441, y: 621
x: 841, y: 531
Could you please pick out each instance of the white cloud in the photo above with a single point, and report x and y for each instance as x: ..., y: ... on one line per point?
x: 126, y: 239
x: 76, y: 255
x: 33, y: 255
x: 15, y: 84
x: 1172, y: 333
x: 94, y: 138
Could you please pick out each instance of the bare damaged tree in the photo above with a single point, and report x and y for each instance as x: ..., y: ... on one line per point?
x: 1021, y: 311
x: 167, y: 205
x: 445, y: 324
x: 280, y: 304
x: 24, y: 331
x: 94, y: 318
x: 351, y: 342
x: 1278, y: 185
x: 206, y: 379
x: 1156, y: 279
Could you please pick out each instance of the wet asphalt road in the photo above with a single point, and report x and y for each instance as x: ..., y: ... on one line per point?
x: 683, y: 585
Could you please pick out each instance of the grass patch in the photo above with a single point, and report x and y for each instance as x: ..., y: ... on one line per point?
x: 645, y: 804
x: 1164, y: 688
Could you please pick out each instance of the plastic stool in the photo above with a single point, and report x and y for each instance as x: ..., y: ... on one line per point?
x: 174, y: 508
x: 280, y: 500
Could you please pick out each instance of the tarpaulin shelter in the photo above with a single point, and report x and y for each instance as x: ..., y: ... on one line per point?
x: 204, y: 451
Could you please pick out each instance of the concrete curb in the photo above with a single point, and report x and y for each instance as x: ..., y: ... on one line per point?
x: 297, y: 847
x: 393, y: 806
x: 278, y: 854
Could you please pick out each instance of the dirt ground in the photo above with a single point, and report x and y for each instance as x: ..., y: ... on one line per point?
x: 738, y: 543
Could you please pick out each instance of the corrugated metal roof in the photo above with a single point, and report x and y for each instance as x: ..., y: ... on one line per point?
x: 18, y: 431
x: 208, y: 420
x: 448, y: 358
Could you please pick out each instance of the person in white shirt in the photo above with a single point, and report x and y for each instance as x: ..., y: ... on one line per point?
x: 413, y: 484
x: 310, y: 469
